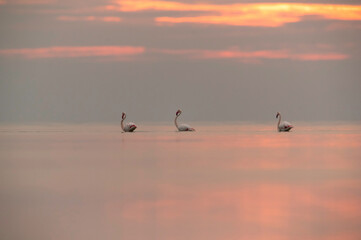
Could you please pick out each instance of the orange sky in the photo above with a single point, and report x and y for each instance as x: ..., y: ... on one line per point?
x: 252, y: 43
x: 251, y: 15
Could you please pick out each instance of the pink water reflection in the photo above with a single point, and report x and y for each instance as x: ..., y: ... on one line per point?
x: 221, y: 182
x: 249, y: 211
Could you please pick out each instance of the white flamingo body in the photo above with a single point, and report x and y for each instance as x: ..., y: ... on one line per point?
x: 182, y: 127
x: 283, y: 126
x: 185, y: 127
x: 127, y: 127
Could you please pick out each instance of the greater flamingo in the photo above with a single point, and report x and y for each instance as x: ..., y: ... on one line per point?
x: 284, y: 126
x: 182, y: 127
x: 127, y: 127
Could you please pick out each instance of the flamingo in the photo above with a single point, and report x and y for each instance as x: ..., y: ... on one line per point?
x: 182, y: 127
x: 127, y: 127
x: 284, y: 126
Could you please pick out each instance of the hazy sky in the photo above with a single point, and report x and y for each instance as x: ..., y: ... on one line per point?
x: 87, y: 61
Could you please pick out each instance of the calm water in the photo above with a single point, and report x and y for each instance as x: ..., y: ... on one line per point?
x: 238, y: 181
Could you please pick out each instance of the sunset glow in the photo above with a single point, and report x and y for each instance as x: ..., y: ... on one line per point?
x: 263, y: 54
x: 94, y: 51
x: 88, y: 18
x: 161, y: 120
x: 258, y: 14
x: 73, y: 52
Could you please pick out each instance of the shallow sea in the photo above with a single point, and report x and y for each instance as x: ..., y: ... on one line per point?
x: 222, y: 182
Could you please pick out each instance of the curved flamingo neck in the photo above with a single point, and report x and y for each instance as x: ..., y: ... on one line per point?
x: 175, y: 121
x: 279, y: 121
x: 122, y: 124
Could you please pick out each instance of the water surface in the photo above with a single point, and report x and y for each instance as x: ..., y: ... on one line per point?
x: 233, y: 181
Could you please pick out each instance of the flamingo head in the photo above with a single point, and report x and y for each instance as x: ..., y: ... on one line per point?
x: 277, y: 114
x: 178, y: 112
x: 123, y: 115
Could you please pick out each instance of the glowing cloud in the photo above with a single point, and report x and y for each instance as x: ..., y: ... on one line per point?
x: 73, y: 52
x: 253, y: 55
x: 258, y: 14
x: 114, y: 51
x: 89, y: 19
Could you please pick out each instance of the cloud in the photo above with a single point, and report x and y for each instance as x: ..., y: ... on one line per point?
x: 235, y: 20
x: 108, y: 51
x: 256, y: 14
x: 74, y: 52
x: 252, y: 55
x: 29, y: 2
x: 89, y: 19
x: 320, y: 57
